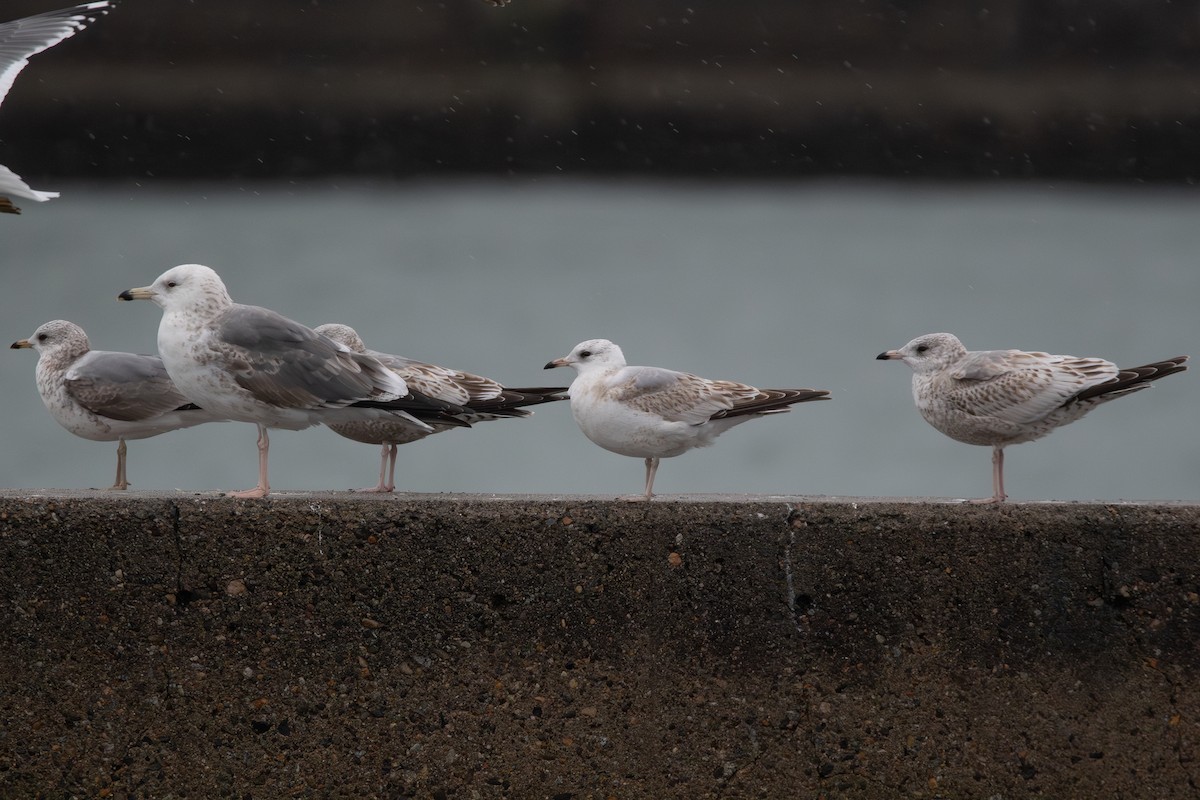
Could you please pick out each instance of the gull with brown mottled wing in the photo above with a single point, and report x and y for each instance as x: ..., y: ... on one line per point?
x: 996, y: 398
x: 654, y: 413
x: 481, y: 398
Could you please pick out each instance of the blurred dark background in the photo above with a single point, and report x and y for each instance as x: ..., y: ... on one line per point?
x: 234, y: 89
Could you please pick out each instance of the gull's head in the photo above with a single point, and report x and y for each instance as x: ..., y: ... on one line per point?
x: 343, y: 335
x: 56, y: 336
x: 190, y: 286
x: 927, y: 353
x: 589, y: 355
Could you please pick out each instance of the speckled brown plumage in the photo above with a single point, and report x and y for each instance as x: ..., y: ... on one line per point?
x: 481, y: 399
x: 996, y: 398
x: 654, y: 413
x: 106, y: 396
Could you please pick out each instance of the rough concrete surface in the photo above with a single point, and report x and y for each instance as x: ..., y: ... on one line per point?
x: 332, y: 646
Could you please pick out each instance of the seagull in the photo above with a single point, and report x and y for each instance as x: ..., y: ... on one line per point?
x: 106, y: 396
x: 252, y: 364
x: 1000, y: 397
x: 481, y: 398
x: 654, y: 413
x: 20, y: 39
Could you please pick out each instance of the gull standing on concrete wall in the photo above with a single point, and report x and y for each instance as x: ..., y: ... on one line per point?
x: 482, y: 398
x: 655, y: 413
x: 1000, y: 397
x: 106, y: 396
x: 254, y: 365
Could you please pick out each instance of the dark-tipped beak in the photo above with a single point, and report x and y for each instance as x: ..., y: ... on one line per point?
x: 141, y: 293
x: 888, y: 355
x: 558, y: 362
x: 19, y: 343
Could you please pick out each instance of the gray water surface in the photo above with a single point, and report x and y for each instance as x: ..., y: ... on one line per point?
x: 775, y: 285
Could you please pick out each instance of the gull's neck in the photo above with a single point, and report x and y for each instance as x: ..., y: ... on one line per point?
x: 181, y: 328
x: 588, y: 375
x: 49, y: 373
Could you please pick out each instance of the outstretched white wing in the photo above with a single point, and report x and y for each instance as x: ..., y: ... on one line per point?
x: 20, y: 39
x: 29, y: 36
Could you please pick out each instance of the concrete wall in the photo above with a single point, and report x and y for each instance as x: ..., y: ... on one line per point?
x: 324, y: 645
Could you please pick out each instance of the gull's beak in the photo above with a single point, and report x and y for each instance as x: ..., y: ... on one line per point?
x: 19, y: 343
x: 889, y: 355
x: 141, y: 293
x: 558, y: 362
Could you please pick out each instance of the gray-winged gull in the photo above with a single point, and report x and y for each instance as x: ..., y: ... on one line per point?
x: 1000, y: 397
x: 482, y: 398
x: 655, y: 413
x: 251, y: 364
x: 20, y: 39
x: 106, y: 396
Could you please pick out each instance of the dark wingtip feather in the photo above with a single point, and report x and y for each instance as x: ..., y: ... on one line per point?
x: 511, y: 401
x: 1133, y: 378
x: 774, y: 400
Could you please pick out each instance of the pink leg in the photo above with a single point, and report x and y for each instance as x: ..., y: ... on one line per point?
x: 386, y: 484
x: 998, y: 462
x: 391, y: 480
x: 122, y: 482
x: 651, y: 469
x: 263, y: 488
x: 998, y: 495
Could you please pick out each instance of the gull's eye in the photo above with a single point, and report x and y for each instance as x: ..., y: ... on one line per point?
x: 172, y: 284
x: 42, y: 337
x: 921, y: 348
x: 585, y: 353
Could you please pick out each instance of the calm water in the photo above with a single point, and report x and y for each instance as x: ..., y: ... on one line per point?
x: 796, y: 285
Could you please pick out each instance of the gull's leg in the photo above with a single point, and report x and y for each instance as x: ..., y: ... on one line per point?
x: 263, y: 488
x: 998, y: 495
x: 391, y: 481
x: 651, y: 468
x: 998, y: 466
x: 385, y: 484
x: 651, y: 471
x: 122, y: 482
